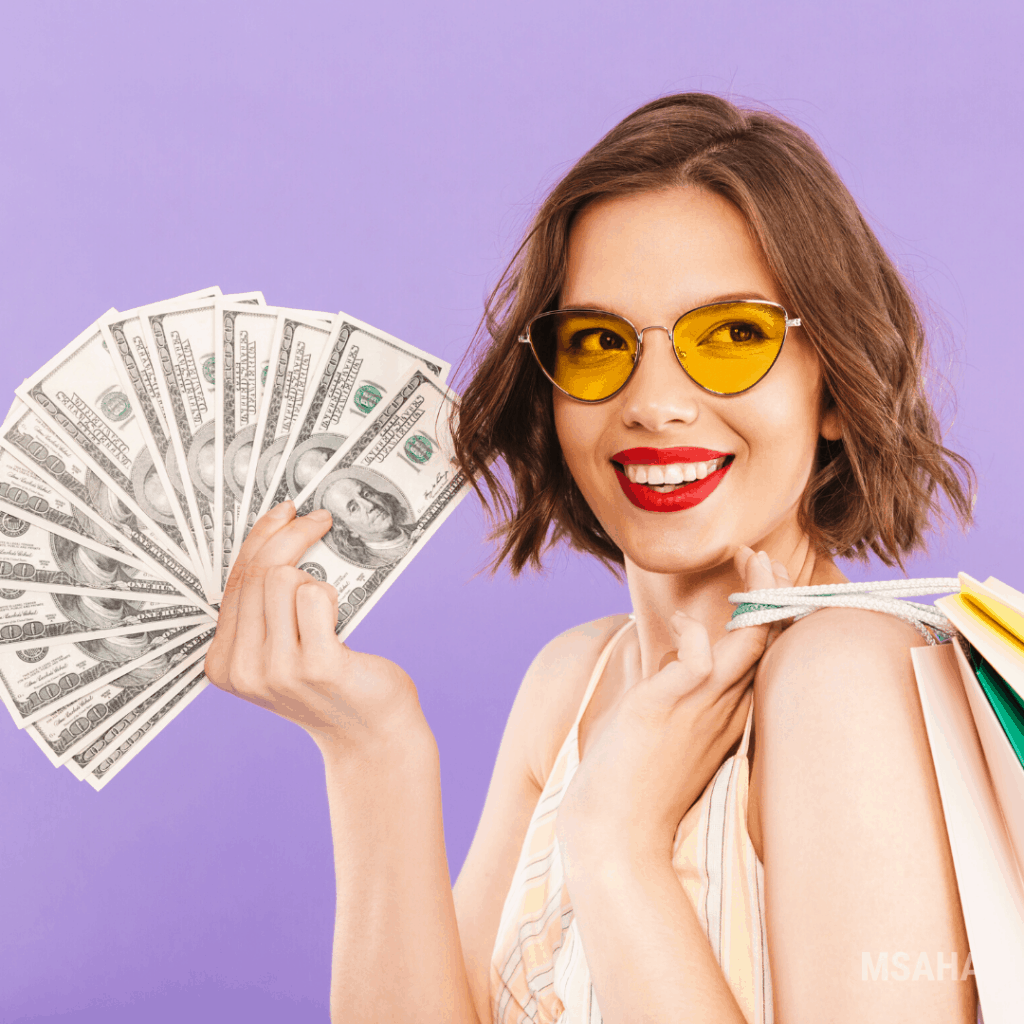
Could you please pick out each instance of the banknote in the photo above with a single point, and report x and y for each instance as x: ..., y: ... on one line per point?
x: 35, y: 682
x: 32, y: 558
x: 25, y: 494
x: 83, y: 725
x: 361, y: 368
x: 300, y: 342
x: 98, y: 511
x: 153, y: 467
x: 80, y: 395
x: 144, y: 731
x: 141, y: 709
x: 181, y: 339
x: 30, y: 618
x: 244, y: 337
x: 388, y: 492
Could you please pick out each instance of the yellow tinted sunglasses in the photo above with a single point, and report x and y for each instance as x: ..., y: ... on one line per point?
x: 724, y: 347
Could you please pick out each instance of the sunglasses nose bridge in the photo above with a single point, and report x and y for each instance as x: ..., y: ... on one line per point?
x: 653, y: 327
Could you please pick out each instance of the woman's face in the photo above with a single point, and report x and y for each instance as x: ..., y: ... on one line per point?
x: 651, y: 258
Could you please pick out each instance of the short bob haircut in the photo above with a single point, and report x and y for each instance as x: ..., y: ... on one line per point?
x: 873, y: 490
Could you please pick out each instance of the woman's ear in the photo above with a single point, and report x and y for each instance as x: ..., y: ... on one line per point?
x: 831, y: 429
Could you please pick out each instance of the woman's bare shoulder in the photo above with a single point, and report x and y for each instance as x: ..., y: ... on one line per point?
x: 556, y: 682
x: 837, y: 657
x: 832, y: 641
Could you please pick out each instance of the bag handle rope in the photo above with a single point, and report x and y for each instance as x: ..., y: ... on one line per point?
x: 759, y: 607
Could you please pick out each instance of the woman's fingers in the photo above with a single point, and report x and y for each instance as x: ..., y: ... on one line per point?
x: 284, y: 547
x: 282, y: 627
x: 278, y: 538
x: 738, y: 652
x: 316, y: 605
x: 264, y: 528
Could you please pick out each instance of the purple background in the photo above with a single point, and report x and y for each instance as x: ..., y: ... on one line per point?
x: 383, y: 158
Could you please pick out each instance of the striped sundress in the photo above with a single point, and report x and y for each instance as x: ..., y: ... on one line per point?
x: 539, y: 972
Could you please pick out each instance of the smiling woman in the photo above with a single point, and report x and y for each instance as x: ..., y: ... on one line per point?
x: 699, y: 351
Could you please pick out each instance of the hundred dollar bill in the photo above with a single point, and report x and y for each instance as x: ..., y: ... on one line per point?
x: 32, y: 558
x: 299, y: 343
x: 361, y: 367
x: 83, y: 726
x: 100, y: 772
x: 244, y: 338
x: 114, y: 731
x: 153, y: 469
x: 36, y: 681
x: 98, y: 510
x: 388, y: 492
x: 25, y: 494
x: 80, y: 394
x: 180, y: 337
x: 31, y: 618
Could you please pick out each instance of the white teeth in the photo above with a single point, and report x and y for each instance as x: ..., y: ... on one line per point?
x: 671, y: 475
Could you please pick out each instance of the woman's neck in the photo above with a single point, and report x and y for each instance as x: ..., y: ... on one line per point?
x: 703, y: 595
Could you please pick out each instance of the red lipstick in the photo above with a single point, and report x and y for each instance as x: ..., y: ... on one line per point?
x: 683, y: 497
x: 666, y: 456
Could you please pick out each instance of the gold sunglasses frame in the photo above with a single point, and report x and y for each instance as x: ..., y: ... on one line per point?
x: 525, y: 338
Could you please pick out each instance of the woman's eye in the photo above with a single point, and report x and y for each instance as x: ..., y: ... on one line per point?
x: 744, y: 333
x: 594, y: 341
x: 736, y: 333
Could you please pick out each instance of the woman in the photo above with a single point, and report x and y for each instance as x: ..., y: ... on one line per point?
x: 740, y: 369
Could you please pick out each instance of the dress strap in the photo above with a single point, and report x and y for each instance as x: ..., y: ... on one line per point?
x: 745, y: 742
x: 759, y: 607
x: 599, y: 668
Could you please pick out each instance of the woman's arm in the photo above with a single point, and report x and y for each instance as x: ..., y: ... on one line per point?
x: 857, y: 861
x: 648, y: 955
x: 397, y: 955
x: 401, y: 951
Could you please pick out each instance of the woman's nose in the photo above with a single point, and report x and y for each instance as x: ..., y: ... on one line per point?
x: 659, y: 392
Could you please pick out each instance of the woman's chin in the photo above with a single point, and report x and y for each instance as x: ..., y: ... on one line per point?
x: 681, y: 559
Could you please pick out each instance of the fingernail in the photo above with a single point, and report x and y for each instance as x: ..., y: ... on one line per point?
x: 321, y: 515
x: 780, y: 569
x: 282, y: 511
x: 764, y: 559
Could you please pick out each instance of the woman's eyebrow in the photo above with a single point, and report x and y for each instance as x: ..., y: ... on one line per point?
x: 752, y: 294
x: 734, y: 297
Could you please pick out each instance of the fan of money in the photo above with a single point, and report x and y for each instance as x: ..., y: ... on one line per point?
x: 132, y: 466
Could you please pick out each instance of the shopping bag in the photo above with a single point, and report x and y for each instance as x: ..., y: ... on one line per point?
x: 968, y: 696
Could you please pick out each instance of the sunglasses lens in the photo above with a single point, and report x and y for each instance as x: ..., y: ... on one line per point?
x: 729, y: 346
x: 588, y: 355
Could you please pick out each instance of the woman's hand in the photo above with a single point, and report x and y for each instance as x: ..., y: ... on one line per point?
x: 669, y: 734
x: 276, y: 645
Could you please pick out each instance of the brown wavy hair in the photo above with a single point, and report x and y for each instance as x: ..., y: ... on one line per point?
x: 875, y: 489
